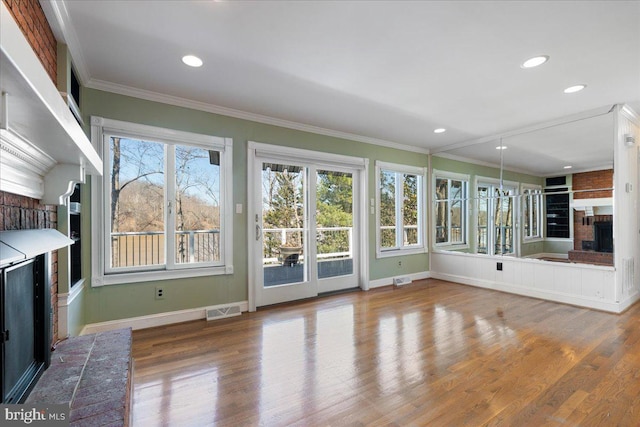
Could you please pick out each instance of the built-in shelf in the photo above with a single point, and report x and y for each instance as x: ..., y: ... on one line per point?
x: 557, y: 212
x: 75, y: 234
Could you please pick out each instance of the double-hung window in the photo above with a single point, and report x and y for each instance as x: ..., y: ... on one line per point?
x: 165, y: 203
x: 532, y: 212
x: 450, y: 204
x: 400, y: 209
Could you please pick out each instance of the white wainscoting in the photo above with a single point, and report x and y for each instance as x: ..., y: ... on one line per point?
x: 577, y: 284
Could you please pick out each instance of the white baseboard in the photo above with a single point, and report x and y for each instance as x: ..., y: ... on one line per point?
x: 594, y: 303
x: 153, y: 320
x: 389, y: 280
x: 629, y: 301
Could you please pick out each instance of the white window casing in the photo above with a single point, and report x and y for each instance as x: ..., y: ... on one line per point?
x: 102, y: 273
x: 400, y: 248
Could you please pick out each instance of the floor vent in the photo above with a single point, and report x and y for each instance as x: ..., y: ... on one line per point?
x: 222, y: 311
x: 401, y: 281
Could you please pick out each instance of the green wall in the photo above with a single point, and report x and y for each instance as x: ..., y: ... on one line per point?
x: 137, y: 299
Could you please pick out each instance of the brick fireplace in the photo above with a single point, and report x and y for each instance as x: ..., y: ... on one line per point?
x: 588, y: 224
x: 24, y: 213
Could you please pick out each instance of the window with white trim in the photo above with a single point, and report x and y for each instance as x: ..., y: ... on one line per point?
x: 400, y: 213
x: 495, y: 217
x: 166, y: 199
x: 532, y: 212
x: 450, y: 216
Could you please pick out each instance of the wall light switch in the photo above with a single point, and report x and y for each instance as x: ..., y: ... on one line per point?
x: 372, y: 202
x: 628, y: 187
x: 239, y: 208
x: 373, y: 210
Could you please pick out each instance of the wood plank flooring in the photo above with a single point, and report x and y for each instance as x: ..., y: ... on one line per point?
x: 432, y: 353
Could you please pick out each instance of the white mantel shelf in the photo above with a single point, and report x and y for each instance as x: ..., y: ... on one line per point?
x: 43, y: 149
x: 595, y: 206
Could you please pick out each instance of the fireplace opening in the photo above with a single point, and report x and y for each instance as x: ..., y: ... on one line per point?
x: 25, y: 326
x: 603, y: 236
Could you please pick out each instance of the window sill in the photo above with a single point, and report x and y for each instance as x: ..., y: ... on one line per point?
x: 401, y: 252
x: 153, y: 276
x: 533, y: 239
x: 451, y: 247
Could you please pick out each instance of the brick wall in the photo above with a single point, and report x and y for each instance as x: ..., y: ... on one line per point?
x: 20, y: 212
x: 592, y: 180
x: 583, y: 227
x: 33, y: 23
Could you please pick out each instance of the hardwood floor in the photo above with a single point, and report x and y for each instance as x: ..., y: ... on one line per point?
x: 431, y: 353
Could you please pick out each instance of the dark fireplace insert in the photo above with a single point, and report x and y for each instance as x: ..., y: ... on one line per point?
x: 25, y: 326
x: 603, y: 236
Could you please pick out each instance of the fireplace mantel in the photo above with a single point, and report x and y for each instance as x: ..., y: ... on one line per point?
x: 43, y: 149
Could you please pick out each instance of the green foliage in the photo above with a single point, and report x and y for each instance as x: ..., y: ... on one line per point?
x: 335, y: 209
x: 283, y: 208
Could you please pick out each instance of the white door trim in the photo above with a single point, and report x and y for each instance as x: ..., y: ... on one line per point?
x: 256, y: 149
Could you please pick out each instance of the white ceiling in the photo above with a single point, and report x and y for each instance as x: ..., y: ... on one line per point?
x: 584, y: 144
x: 387, y: 71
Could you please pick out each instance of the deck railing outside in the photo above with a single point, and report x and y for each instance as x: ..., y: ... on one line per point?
x: 340, y: 238
x: 130, y: 249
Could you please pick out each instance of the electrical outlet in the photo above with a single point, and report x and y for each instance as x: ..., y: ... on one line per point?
x: 159, y: 292
x: 499, y: 266
x: 399, y: 263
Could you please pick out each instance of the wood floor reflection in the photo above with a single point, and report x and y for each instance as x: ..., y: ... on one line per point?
x: 431, y: 353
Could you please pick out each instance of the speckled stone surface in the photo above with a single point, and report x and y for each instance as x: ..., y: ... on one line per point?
x: 92, y: 375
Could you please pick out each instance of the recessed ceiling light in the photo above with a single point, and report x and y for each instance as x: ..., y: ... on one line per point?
x: 568, y: 167
x: 192, y: 61
x: 501, y: 147
x: 439, y: 130
x: 535, y: 61
x: 574, y: 89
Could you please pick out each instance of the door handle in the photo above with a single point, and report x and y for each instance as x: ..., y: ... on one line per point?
x: 258, y: 232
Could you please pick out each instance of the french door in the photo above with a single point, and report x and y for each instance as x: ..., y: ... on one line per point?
x: 305, y: 229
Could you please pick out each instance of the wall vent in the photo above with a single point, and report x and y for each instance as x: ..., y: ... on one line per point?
x: 223, y: 311
x: 401, y: 280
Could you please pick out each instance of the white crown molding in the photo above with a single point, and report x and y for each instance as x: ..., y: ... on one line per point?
x: 60, y: 23
x: 630, y: 114
x: 238, y: 114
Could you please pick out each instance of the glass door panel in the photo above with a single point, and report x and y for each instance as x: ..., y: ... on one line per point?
x: 293, y: 202
x: 283, y: 224
x: 334, y: 223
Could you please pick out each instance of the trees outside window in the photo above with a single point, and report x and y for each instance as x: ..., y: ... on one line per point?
x: 495, y: 218
x: 450, y: 210
x: 164, y: 200
x: 532, y: 212
x: 400, y: 207
x: 165, y: 206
